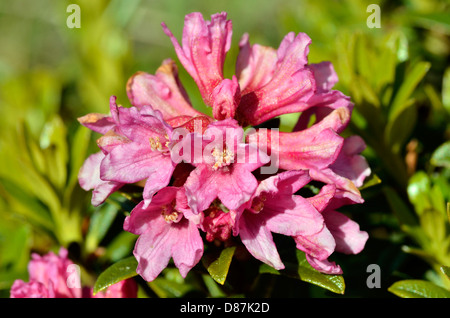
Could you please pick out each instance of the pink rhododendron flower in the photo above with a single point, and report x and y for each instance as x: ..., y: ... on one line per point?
x: 146, y: 156
x: 201, y: 175
x: 165, y: 232
x: 52, y: 276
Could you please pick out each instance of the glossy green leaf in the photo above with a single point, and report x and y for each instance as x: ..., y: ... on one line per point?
x: 218, y: 267
x: 418, y: 289
x: 117, y: 272
x: 305, y: 272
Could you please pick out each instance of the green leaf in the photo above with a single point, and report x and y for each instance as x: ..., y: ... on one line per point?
x: 117, y: 272
x: 412, y: 288
x: 418, y: 190
x: 441, y: 156
x: 54, y: 145
x: 409, y: 83
x: 307, y: 273
x: 371, y: 181
x: 446, y: 89
x: 170, y: 284
x: 446, y: 271
x: 400, y: 127
x: 399, y: 207
x: 218, y: 267
x: 101, y: 220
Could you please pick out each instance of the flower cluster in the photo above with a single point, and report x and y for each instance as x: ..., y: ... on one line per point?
x: 205, y: 178
x: 56, y: 276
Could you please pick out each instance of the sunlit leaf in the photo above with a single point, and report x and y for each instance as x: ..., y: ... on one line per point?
x: 418, y: 289
x: 117, y: 272
x: 409, y: 83
x: 371, y: 181
x: 218, y: 267
x: 441, y: 156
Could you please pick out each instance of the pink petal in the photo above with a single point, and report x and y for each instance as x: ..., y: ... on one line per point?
x: 237, y: 188
x: 332, y: 109
x: 191, y: 124
x: 132, y: 162
x: 258, y: 240
x: 204, y: 46
x: 300, y: 219
x: 349, y: 238
x: 302, y: 149
x: 325, y: 75
x: 97, y: 122
x: 34, y: 289
x: 140, y: 125
x: 286, y: 182
x: 159, y: 240
x: 189, y: 248
x: 319, y: 245
x: 163, y: 91
x: 159, y: 178
x: 350, y: 164
x: 323, y: 198
x: 324, y: 266
x: 153, y: 249
x: 255, y: 65
x: 89, y: 178
x: 233, y: 188
x: 290, y: 85
x: 225, y: 98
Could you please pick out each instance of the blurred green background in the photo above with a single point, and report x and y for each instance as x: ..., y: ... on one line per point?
x: 398, y: 77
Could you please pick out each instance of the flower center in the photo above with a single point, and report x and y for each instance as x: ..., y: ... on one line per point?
x: 258, y: 203
x: 222, y: 158
x: 169, y: 213
x: 156, y: 145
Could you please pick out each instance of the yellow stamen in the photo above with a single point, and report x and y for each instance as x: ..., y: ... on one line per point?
x: 222, y: 158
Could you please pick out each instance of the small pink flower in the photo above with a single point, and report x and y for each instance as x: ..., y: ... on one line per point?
x: 146, y: 156
x: 218, y: 224
x: 52, y: 276
x: 275, y: 208
x: 164, y: 232
x: 224, y: 167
